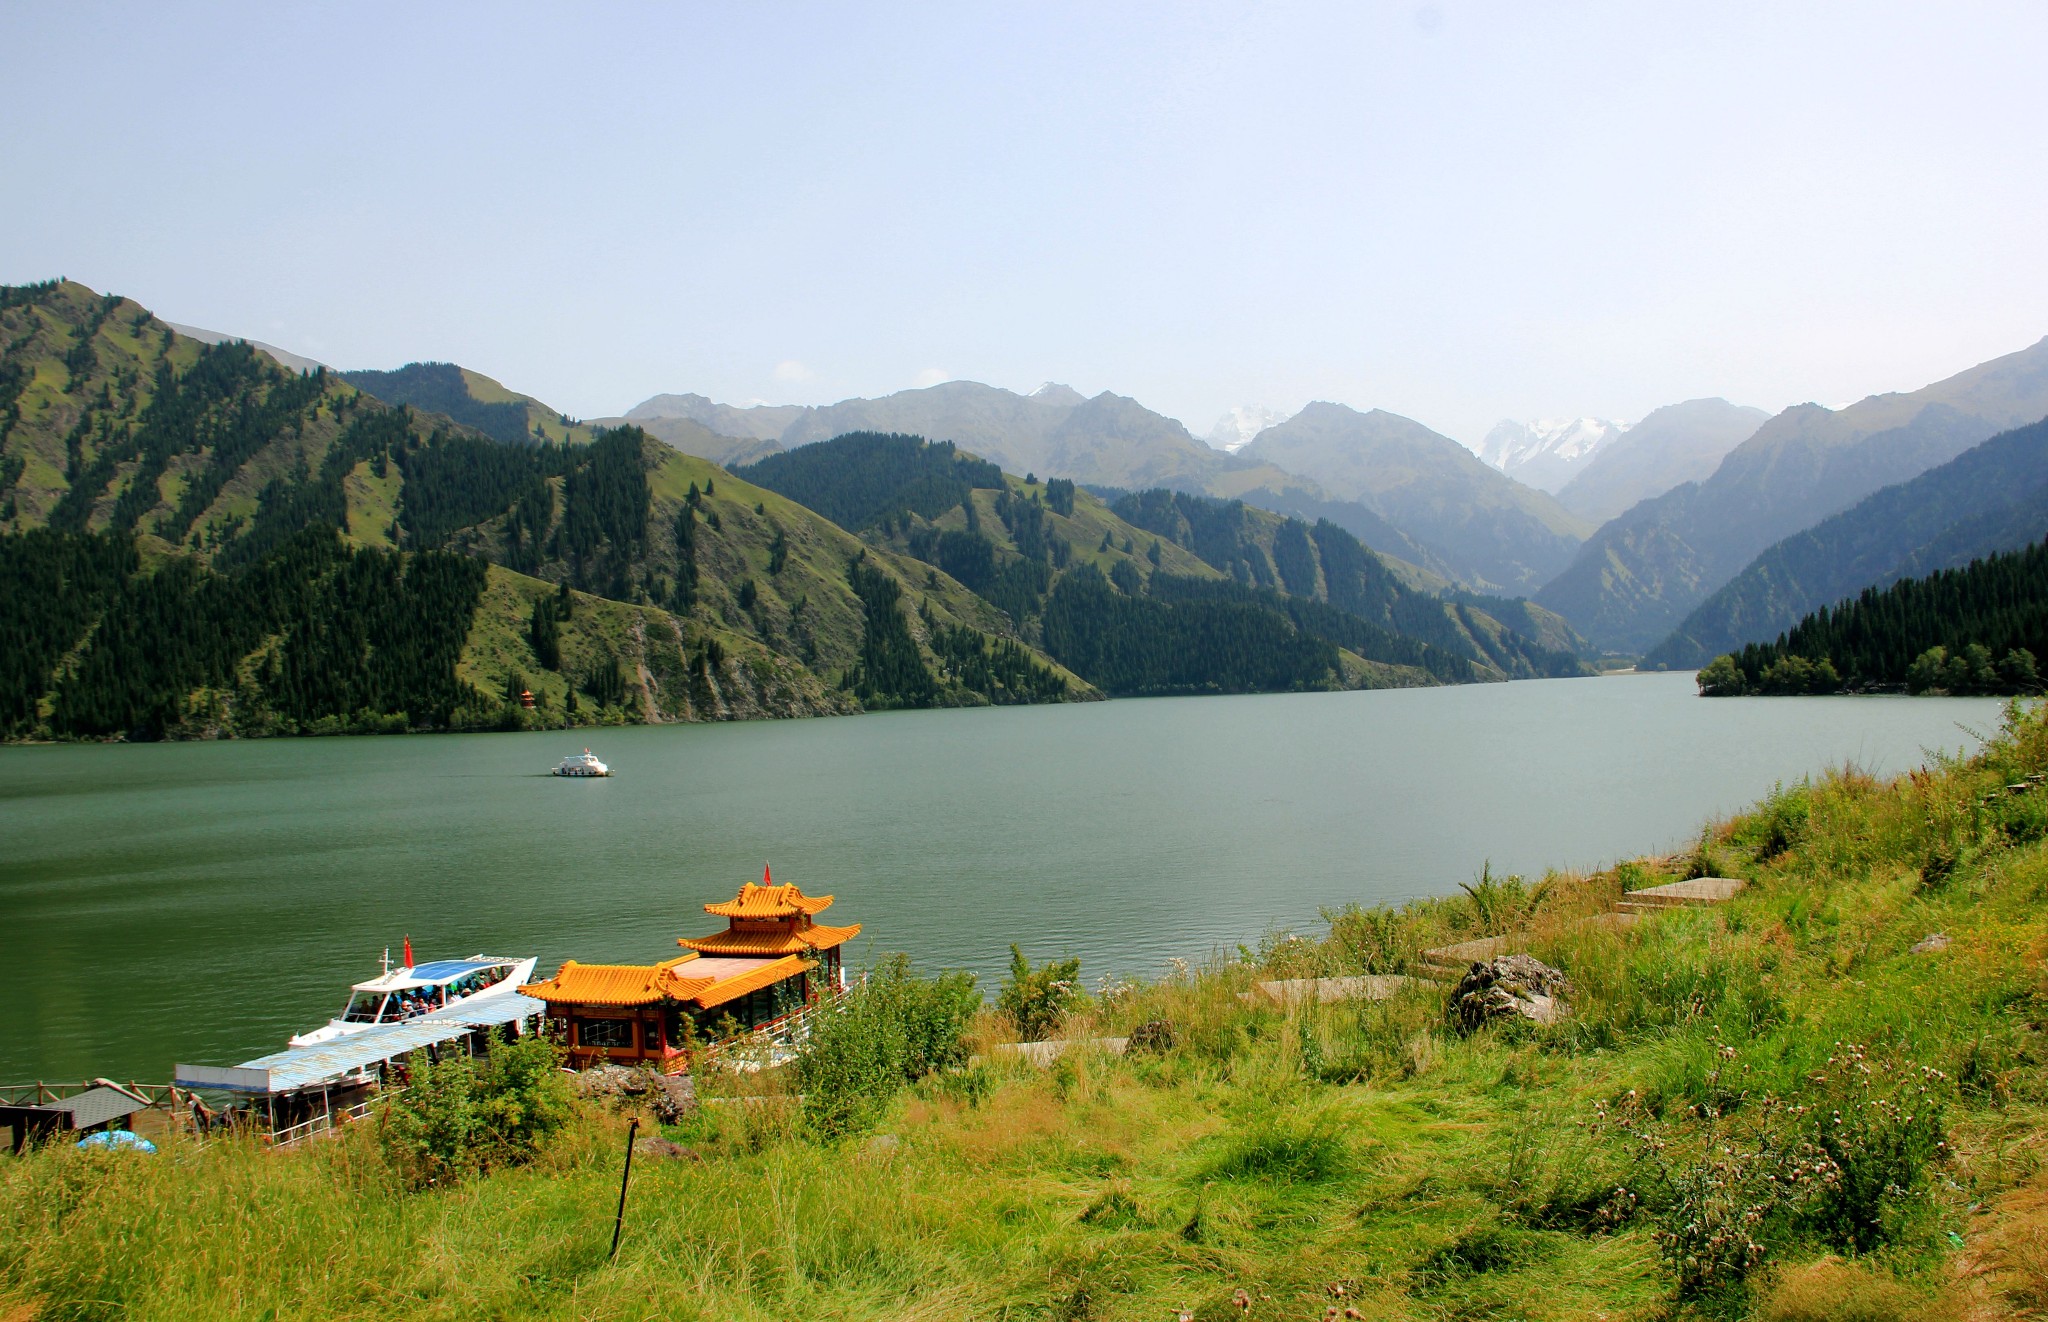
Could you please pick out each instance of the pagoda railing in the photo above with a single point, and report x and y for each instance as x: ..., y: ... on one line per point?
x: 785, y: 1031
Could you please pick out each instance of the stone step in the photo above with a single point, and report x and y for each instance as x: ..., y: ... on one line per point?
x: 1682, y: 894
x: 1300, y: 991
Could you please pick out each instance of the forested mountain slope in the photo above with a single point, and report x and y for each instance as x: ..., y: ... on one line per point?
x: 1991, y: 498
x: 472, y: 399
x: 200, y: 542
x: 1487, y: 527
x: 1979, y: 629
x: 1647, y: 569
x: 1118, y: 592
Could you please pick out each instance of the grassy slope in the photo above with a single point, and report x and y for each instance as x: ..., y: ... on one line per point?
x: 1422, y: 1174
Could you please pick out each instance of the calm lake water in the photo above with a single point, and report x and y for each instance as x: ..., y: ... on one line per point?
x: 201, y: 902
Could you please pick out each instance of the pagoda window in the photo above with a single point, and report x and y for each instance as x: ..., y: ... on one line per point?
x: 604, y: 1033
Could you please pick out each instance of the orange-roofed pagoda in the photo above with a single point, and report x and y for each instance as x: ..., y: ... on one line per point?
x: 757, y: 973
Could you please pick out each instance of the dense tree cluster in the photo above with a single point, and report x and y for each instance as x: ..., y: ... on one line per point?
x: 999, y: 669
x: 1320, y: 620
x: 336, y: 633
x: 889, y: 671
x: 52, y: 587
x: 1137, y: 646
x: 455, y: 481
x: 857, y: 479
x: 605, y: 504
x: 1978, y: 629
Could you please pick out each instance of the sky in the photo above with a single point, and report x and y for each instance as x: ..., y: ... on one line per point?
x: 1456, y: 211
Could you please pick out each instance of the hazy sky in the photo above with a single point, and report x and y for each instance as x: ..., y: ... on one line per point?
x: 1455, y: 211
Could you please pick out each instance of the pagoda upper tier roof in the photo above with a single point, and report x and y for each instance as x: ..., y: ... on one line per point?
x: 687, y: 979
x: 770, y: 901
x: 795, y: 940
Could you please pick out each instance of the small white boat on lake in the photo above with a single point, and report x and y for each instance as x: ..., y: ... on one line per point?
x: 584, y: 765
x: 416, y: 991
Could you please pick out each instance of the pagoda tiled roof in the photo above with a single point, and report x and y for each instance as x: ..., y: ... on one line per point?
x: 770, y: 901
x: 779, y: 941
x: 626, y: 985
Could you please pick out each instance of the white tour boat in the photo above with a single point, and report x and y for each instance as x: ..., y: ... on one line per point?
x: 585, y: 765
x: 418, y: 990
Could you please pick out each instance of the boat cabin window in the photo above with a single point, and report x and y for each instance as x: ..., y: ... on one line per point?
x: 362, y: 1008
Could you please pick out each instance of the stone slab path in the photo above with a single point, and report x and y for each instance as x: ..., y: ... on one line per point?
x: 1302, y: 991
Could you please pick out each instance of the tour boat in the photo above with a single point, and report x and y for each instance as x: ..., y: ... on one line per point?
x: 414, y: 991
x: 585, y: 765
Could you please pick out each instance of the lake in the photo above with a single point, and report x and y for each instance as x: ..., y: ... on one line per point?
x: 201, y: 902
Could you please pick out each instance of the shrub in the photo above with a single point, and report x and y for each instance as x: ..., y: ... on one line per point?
x: 892, y: 1029
x: 1037, y: 1000
x: 462, y: 1116
x: 1285, y: 1151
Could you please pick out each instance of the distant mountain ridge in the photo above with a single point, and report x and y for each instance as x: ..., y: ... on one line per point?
x: 1991, y: 498
x: 1487, y: 527
x: 1674, y: 444
x: 1647, y: 568
x: 1107, y: 440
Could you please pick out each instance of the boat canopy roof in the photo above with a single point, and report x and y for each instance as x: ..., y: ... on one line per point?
x: 429, y: 975
x: 336, y: 1059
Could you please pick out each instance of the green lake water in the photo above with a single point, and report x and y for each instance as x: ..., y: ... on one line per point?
x: 201, y: 902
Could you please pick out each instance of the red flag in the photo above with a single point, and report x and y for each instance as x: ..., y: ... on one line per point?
x: 408, y: 952
x: 767, y: 878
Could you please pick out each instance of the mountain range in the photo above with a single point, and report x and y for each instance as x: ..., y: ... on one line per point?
x: 1689, y: 496
x: 1991, y: 498
x: 1647, y: 568
x: 198, y: 541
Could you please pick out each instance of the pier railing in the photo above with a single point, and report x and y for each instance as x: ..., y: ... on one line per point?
x: 167, y: 1100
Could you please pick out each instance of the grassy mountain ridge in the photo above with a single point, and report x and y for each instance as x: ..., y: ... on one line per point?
x: 1646, y: 569
x: 1992, y: 497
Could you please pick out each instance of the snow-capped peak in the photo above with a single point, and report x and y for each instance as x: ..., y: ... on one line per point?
x: 1540, y: 451
x: 1236, y: 428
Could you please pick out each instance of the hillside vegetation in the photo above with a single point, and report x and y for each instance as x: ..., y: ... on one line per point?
x: 1979, y: 629
x: 1827, y: 1100
x: 1160, y: 592
x: 197, y: 542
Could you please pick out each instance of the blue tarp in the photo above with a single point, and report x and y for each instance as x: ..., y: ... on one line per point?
x: 443, y: 969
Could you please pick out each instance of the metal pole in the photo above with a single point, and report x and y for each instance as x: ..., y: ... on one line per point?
x: 620, y: 1224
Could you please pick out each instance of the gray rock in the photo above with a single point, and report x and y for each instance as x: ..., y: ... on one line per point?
x: 882, y: 1145
x: 656, y: 1148
x: 669, y: 1096
x: 1935, y: 941
x: 1154, y: 1035
x: 1510, y: 987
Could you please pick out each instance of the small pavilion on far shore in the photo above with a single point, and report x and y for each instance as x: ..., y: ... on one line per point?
x: 773, y: 960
